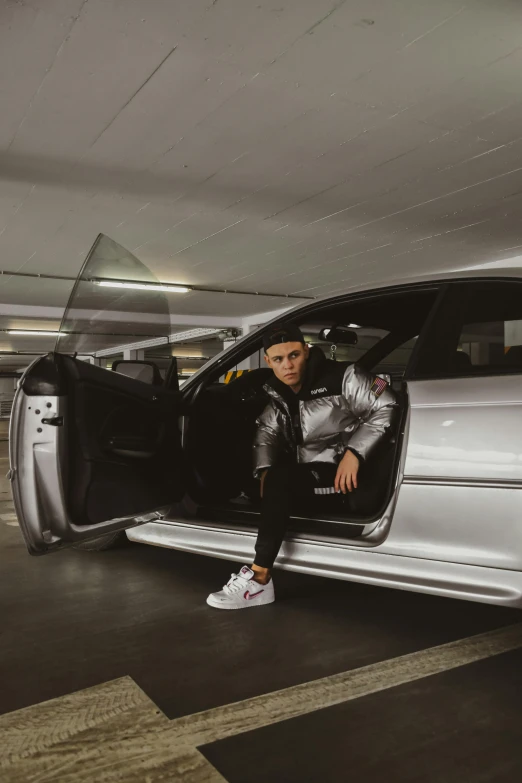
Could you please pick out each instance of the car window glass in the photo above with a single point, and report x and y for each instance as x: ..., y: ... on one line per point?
x: 490, y: 345
x: 367, y: 337
x: 102, y: 316
x: 478, y: 331
x: 386, y: 325
x: 483, y: 344
x: 396, y: 361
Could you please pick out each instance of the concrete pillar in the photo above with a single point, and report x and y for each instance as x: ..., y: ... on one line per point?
x: 246, y: 364
x: 256, y: 359
x: 134, y: 355
x: 253, y: 361
x: 512, y: 333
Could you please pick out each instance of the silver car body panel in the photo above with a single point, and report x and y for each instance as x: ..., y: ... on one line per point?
x: 461, y: 497
x: 453, y: 580
x: 462, y: 428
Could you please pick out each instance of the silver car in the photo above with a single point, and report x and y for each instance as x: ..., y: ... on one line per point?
x: 95, y: 452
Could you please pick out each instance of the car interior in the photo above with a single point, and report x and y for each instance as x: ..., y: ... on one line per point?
x: 221, y: 421
x: 124, y: 451
x: 478, y: 333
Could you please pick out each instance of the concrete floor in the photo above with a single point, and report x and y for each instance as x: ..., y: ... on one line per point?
x: 128, y: 632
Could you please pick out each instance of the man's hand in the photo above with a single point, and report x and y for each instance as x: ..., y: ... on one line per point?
x: 263, y: 476
x: 346, y: 478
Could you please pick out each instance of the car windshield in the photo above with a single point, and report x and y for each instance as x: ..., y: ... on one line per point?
x: 114, y: 304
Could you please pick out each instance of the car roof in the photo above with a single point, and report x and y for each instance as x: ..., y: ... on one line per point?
x: 506, y: 269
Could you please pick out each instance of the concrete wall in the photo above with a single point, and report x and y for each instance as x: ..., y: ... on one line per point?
x: 7, y: 387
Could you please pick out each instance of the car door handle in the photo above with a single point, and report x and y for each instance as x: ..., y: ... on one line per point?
x: 139, y: 448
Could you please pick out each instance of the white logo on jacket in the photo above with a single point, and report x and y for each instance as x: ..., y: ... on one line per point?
x: 318, y: 391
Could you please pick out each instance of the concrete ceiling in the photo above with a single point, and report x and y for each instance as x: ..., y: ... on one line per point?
x: 290, y: 146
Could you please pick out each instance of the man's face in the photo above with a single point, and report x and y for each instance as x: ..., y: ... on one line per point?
x: 288, y: 361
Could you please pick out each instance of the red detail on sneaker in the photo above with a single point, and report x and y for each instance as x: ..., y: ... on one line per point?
x: 247, y: 596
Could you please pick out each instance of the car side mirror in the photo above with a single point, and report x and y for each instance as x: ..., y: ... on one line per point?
x: 338, y: 335
x: 147, y: 372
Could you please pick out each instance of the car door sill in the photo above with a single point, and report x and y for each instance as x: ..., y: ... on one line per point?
x: 325, y: 530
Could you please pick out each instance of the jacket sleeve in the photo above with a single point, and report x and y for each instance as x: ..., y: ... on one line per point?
x: 374, y: 408
x: 267, y: 441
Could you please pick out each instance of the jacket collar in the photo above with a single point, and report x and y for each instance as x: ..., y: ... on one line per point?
x: 316, y: 365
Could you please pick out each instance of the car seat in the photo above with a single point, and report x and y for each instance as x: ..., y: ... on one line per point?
x: 460, y: 363
x: 513, y: 357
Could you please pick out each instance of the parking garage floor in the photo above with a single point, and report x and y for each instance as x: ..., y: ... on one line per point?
x: 114, y: 669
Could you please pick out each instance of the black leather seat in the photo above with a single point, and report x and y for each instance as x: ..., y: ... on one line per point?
x: 461, y: 363
x: 513, y: 357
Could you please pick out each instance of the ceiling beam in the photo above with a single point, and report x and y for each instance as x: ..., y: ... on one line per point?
x: 56, y: 314
x: 191, y: 334
x: 192, y: 288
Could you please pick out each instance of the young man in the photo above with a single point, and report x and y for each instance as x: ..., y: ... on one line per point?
x: 323, y: 419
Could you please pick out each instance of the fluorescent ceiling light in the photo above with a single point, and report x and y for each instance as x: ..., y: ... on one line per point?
x: 33, y: 333
x: 177, y: 356
x: 173, y: 289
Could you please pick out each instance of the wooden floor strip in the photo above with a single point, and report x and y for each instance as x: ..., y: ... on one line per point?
x: 113, y: 733
x: 33, y: 729
x: 231, y: 719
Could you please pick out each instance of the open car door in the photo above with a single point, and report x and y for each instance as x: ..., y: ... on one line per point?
x: 93, y: 451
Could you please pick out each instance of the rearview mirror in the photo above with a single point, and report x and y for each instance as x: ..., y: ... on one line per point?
x: 147, y: 372
x: 338, y: 335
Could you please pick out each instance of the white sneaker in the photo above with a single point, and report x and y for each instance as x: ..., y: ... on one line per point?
x: 242, y: 591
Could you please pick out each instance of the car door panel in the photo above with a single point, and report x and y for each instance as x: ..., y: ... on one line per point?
x: 462, y: 429
x: 116, y: 456
x: 455, y: 523
x: 461, y: 497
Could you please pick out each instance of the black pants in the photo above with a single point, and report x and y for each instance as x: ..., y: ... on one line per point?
x: 289, y: 485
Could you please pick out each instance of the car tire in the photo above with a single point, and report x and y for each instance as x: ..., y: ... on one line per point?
x: 104, y: 542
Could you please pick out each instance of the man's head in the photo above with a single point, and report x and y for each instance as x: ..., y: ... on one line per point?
x: 286, y: 353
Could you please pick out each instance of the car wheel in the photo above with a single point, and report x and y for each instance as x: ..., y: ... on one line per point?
x: 101, y: 543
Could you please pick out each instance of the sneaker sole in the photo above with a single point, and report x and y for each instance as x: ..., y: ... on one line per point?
x: 249, y: 605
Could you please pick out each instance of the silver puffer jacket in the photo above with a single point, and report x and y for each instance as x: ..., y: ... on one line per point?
x: 340, y: 406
